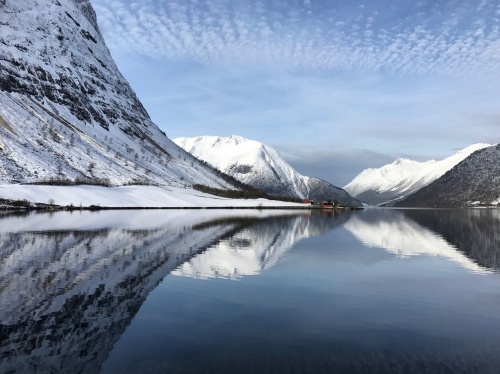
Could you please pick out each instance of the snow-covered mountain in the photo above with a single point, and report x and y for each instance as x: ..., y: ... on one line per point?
x: 249, y: 161
x: 474, y: 181
x: 403, y: 177
x: 67, y: 112
x: 262, y: 167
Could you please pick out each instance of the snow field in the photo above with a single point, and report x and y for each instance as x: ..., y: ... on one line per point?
x: 130, y: 197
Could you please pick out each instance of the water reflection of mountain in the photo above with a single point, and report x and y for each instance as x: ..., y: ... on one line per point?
x: 408, y: 233
x: 474, y: 232
x: 258, y: 245
x: 67, y: 294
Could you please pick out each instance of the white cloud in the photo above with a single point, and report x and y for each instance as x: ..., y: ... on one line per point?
x: 268, y: 71
x: 457, y: 42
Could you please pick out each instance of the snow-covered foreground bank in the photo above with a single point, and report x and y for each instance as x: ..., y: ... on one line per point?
x: 129, y: 197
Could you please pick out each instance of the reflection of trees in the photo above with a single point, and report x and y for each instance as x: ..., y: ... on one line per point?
x: 475, y: 232
x: 13, y: 213
x: 67, y: 296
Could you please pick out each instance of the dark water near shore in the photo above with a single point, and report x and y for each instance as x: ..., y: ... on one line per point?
x: 374, y: 291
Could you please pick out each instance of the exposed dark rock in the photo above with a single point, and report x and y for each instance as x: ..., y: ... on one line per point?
x: 321, y: 190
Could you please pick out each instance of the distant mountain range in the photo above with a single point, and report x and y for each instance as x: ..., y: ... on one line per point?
x: 262, y: 167
x: 402, y: 178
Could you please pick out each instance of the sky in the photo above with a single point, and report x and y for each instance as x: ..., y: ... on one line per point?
x: 334, y: 86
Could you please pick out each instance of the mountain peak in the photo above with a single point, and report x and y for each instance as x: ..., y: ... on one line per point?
x: 262, y: 167
x: 236, y: 139
x: 403, y: 177
x: 475, y: 180
x: 472, y: 148
x: 399, y: 161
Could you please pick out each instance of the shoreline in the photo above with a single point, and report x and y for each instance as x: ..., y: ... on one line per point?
x: 57, y: 208
x: 20, y: 197
x: 89, y: 197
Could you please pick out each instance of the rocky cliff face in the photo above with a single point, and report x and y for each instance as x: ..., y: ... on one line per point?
x: 67, y: 112
x: 53, y: 51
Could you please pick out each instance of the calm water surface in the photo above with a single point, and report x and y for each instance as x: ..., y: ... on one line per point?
x: 374, y: 291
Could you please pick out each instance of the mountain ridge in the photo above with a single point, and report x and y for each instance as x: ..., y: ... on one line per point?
x: 394, y: 181
x: 474, y: 181
x: 261, y: 167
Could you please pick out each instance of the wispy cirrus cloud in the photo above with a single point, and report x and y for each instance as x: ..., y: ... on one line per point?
x: 452, y: 37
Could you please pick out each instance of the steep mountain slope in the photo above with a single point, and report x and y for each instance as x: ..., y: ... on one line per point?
x: 67, y: 112
x: 403, y: 177
x: 262, y: 167
x: 474, y: 181
x: 248, y: 161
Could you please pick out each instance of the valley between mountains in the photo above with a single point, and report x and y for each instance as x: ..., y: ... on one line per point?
x: 69, y: 118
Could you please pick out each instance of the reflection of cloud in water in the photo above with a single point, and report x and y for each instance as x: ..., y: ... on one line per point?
x: 393, y: 231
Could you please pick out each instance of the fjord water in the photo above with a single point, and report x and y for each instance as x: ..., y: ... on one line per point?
x: 374, y: 291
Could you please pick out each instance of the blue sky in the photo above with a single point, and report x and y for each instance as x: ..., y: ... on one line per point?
x: 335, y: 86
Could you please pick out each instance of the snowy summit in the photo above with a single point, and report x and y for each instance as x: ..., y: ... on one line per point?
x: 403, y: 177
x: 262, y: 167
